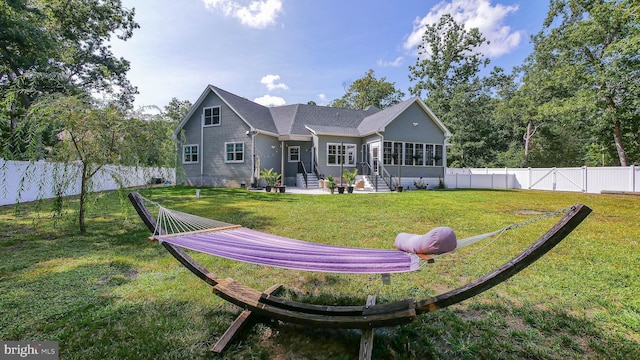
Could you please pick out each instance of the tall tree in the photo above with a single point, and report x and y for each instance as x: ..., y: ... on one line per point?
x: 447, y: 73
x: 369, y: 91
x: 62, y: 46
x: 586, y: 70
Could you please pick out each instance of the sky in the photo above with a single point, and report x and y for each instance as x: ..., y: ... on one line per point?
x: 278, y: 52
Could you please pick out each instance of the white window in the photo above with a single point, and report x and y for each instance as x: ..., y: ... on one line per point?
x: 190, y: 154
x: 234, y: 152
x: 211, y: 116
x: 418, y: 155
x: 337, y: 153
x: 408, y: 154
x: 428, y: 157
x: 387, y: 150
x: 438, y: 156
x: 294, y: 153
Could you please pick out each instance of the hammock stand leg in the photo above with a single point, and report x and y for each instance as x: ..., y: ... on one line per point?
x: 239, y: 324
x: 366, y: 339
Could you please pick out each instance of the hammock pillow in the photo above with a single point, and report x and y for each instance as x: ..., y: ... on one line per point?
x: 437, y: 241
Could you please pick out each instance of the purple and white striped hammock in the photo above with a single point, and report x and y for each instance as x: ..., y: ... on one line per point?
x: 260, y: 248
x: 242, y: 244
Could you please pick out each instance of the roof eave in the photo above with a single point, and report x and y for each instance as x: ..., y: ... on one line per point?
x: 294, y: 137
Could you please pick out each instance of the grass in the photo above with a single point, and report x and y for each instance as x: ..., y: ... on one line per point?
x: 110, y: 294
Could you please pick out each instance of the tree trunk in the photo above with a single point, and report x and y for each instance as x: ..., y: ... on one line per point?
x: 617, y: 137
x: 83, y: 196
x: 527, y: 141
x: 617, y: 132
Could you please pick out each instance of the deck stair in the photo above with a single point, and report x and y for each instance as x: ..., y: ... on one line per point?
x: 369, y: 183
x: 312, y: 181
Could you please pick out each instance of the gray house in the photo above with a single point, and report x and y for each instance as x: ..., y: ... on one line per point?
x: 225, y: 140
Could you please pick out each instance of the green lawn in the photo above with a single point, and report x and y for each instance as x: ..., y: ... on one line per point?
x: 110, y: 294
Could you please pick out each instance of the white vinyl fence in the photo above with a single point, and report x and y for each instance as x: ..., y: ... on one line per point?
x: 23, y: 181
x: 584, y: 179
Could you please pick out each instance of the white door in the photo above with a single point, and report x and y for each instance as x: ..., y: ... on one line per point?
x: 374, y: 156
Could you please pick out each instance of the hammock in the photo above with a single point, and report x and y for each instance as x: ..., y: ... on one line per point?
x: 242, y: 244
x: 365, y: 317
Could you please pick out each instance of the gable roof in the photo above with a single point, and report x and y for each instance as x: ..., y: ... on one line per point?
x: 299, y: 119
x: 378, y: 121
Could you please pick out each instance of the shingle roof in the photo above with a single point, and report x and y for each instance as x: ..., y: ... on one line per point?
x: 379, y: 120
x: 299, y: 119
x: 254, y: 114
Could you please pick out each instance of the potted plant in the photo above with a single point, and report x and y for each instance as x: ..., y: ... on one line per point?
x: 420, y: 184
x: 331, y: 183
x: 270, y: 177
x: 350, y: 178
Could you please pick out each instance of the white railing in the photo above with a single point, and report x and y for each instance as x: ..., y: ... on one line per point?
x: 23, y: 181
x: 583, y: 179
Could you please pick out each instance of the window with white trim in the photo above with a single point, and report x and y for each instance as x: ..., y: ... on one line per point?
x: 211, y: 116
x: 397, y: 153
x: 337, y: 152
x: 438, y: 157
x: 294, y: 153
x: 190, y: 154
x: 408, y: 154
x: 234, y: 152
x: 418, y: 155
x: 387, y: 150
x: 428, y: 157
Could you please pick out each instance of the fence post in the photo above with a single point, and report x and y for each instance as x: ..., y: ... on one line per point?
x: 584, y: 179
x: 633, y: 177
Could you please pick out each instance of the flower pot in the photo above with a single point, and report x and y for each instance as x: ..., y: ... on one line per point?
x: 267, y: 188
x: 281, y: 189
x: 340, y: 189
x: 350, y: 189
x: 399, y: 188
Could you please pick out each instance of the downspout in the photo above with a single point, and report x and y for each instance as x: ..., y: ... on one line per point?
x: 282, y: 162
x: 253, y: 156
x: 444, y: 156
x: 201, y: 148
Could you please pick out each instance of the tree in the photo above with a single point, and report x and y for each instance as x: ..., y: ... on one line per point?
x: 369, y: 91
x: 446, y: 71
x: 447, y: 60
x: 586, y: 70
x: 176, y: 110
x: 60, y: 46
x: 89, y: 134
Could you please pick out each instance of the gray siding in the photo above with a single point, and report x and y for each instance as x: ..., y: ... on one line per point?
x: 426, y: 131
x: 334, y: 170
x: 216, y: 171
x: 268, y: 150
x: 402, y: 129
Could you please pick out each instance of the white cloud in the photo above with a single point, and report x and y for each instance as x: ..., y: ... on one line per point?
x: 479, y: 13
x: 256, y: 14
x: 269, y: 100
x: 395, y: 63
x: 322, y: 97
x: 270, y: 82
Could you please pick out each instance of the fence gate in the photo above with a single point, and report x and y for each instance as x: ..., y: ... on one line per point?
x: 563, y: 180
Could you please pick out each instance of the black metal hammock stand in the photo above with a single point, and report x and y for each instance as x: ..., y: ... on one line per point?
x: 201, y: 233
